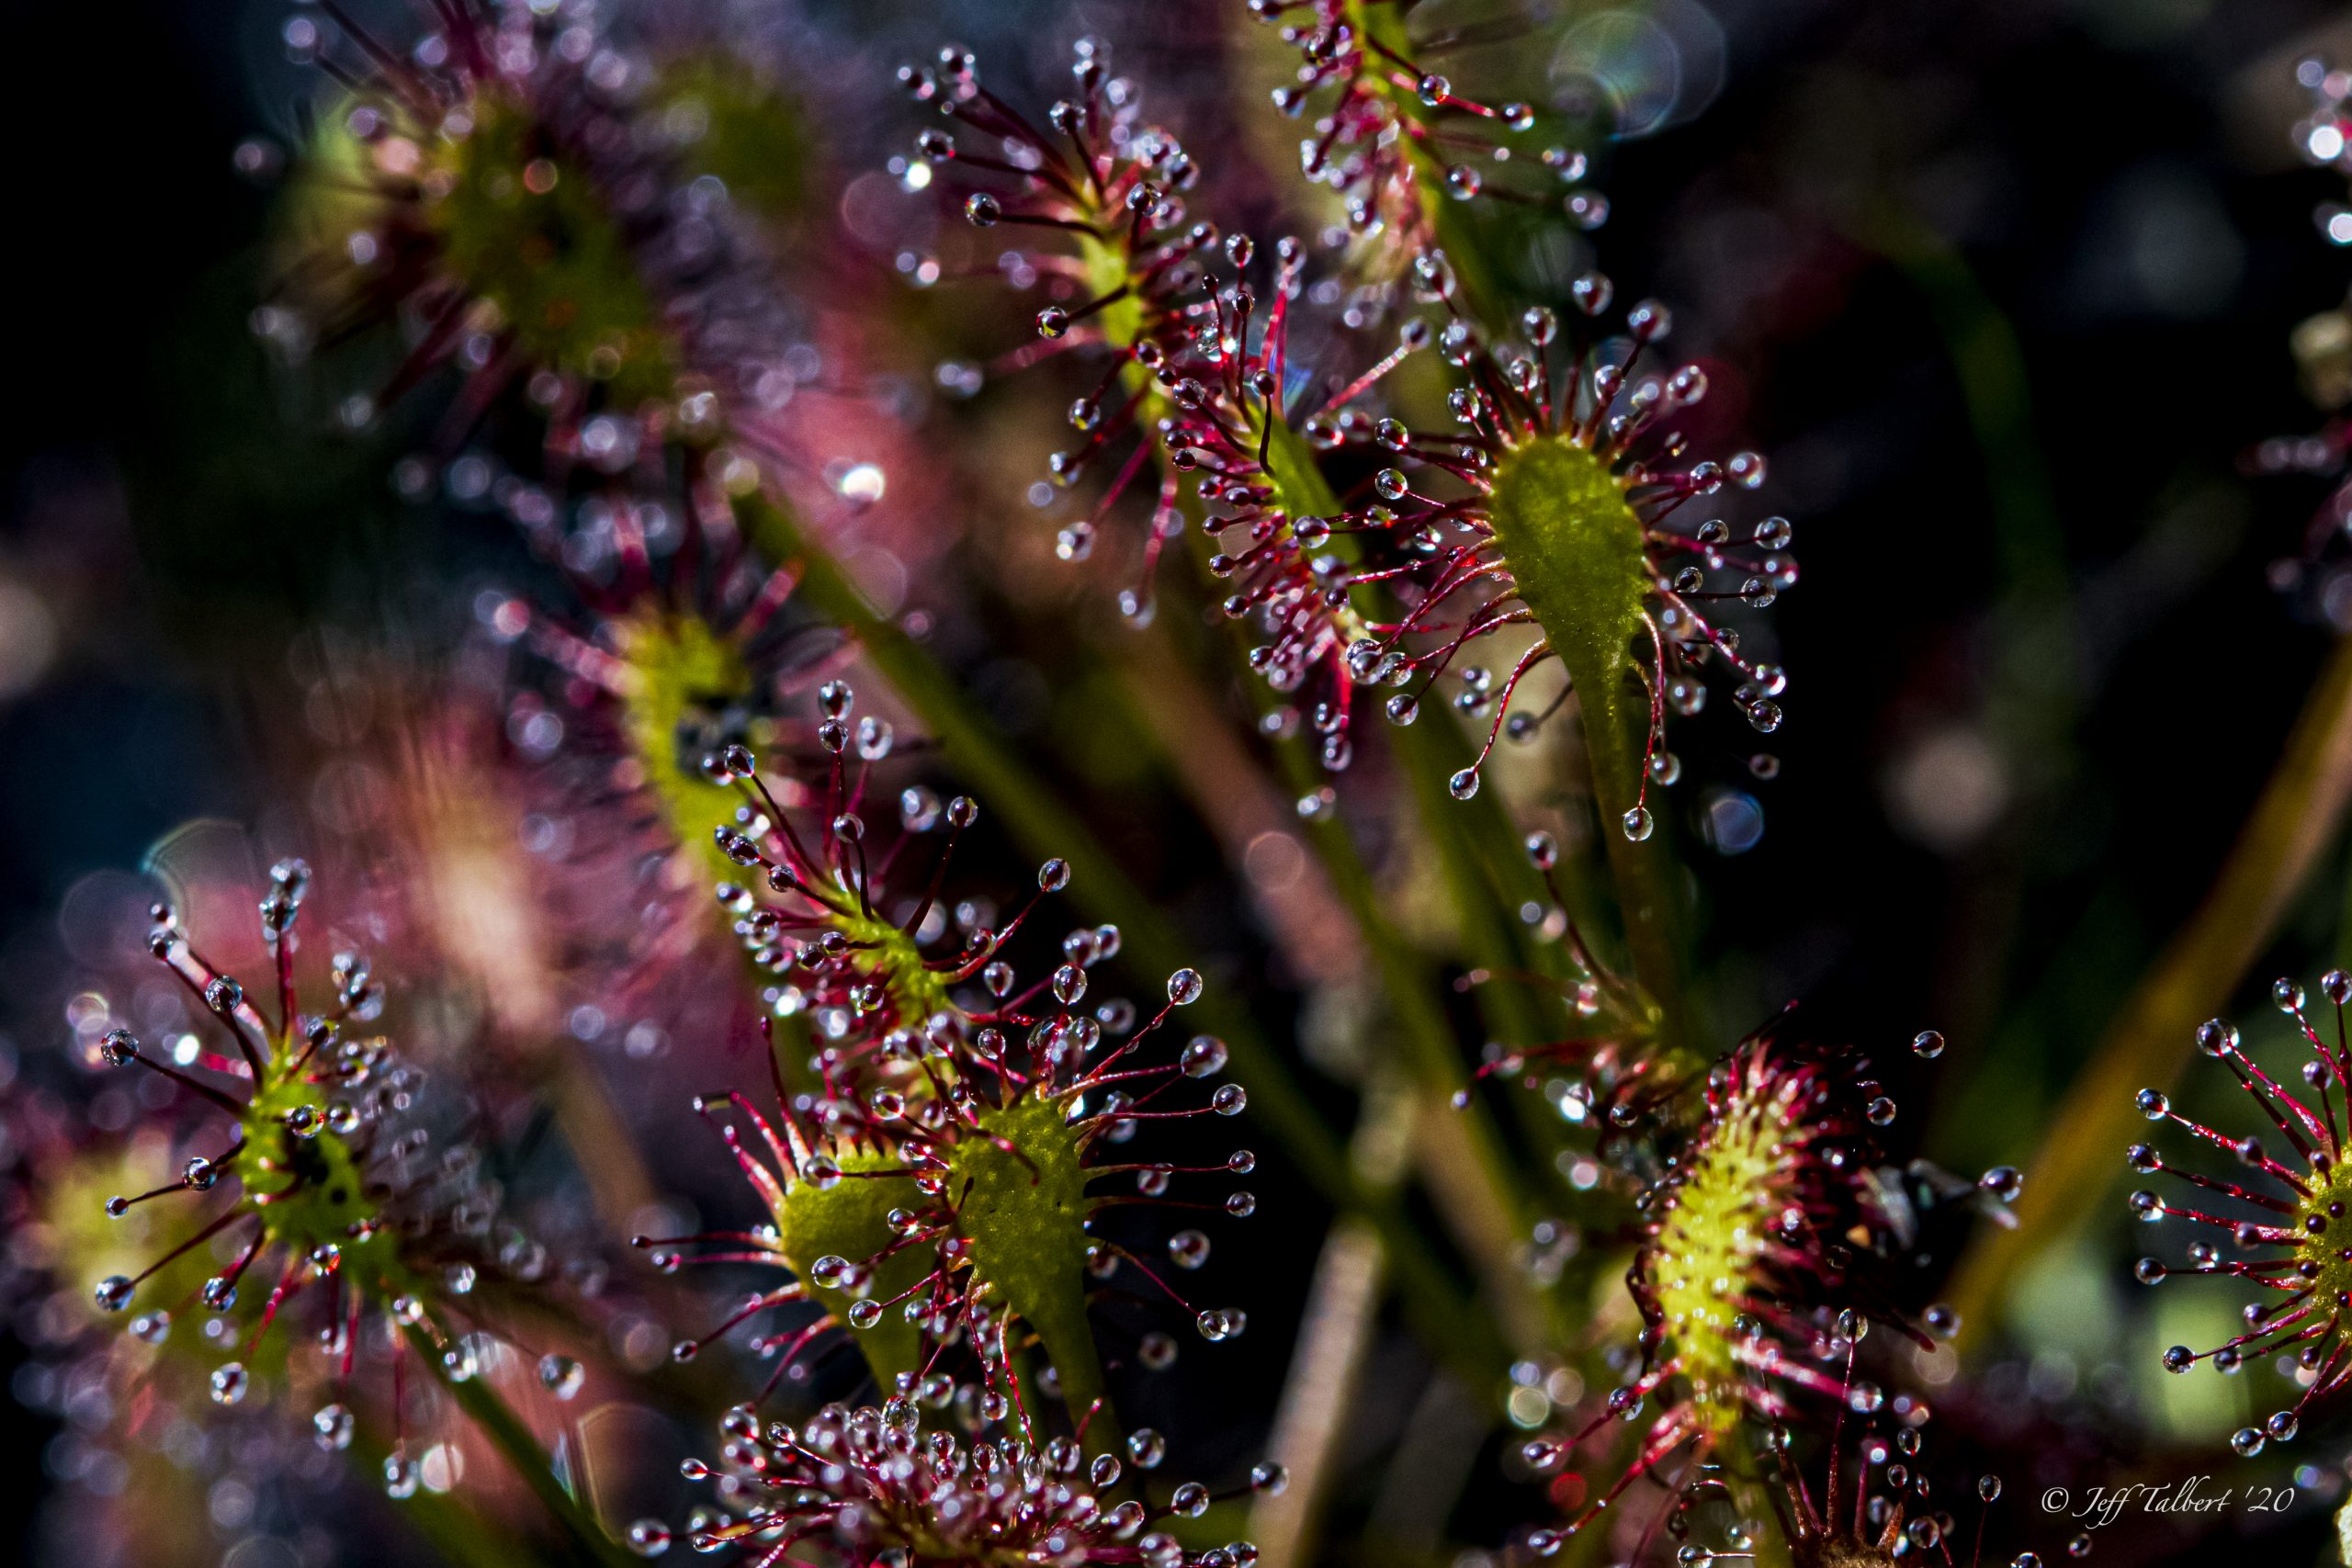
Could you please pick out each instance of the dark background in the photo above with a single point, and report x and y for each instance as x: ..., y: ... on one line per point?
x: 2063, y: 583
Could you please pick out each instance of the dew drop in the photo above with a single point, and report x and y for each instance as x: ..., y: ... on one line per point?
x: 2216, y: 1038
x: 1217, y: 1325
x: 333, y: 1425
x: 1205, y: 1057
x: 560, y: 1375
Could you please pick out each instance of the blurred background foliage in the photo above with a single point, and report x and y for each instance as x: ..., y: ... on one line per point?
x: 2004, y: 290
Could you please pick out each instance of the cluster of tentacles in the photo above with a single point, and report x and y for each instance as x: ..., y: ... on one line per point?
x: 1749, y: 1275
x: 873, y: 1486
x: 1401, y: 143
x: 503, y: 186
x: 337, y: 1210
x: 2286, y: 1236
x: 933, y: 1192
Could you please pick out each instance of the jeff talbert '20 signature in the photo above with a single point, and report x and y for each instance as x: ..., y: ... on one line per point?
x: 2192, y: 1496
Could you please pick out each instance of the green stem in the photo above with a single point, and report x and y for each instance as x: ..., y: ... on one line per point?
x: 2285, y: 836
x: 1079, y: 1365
x: 1644, y: 872
x: 456, y: 1534
x: 1241, y: 793
x: 1428, y: 753
x: 1038, y: 821
x: 1432, y: 1054
x: 523, y: 1454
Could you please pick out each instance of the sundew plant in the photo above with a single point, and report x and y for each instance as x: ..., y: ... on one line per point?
x: 1049, y: 785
